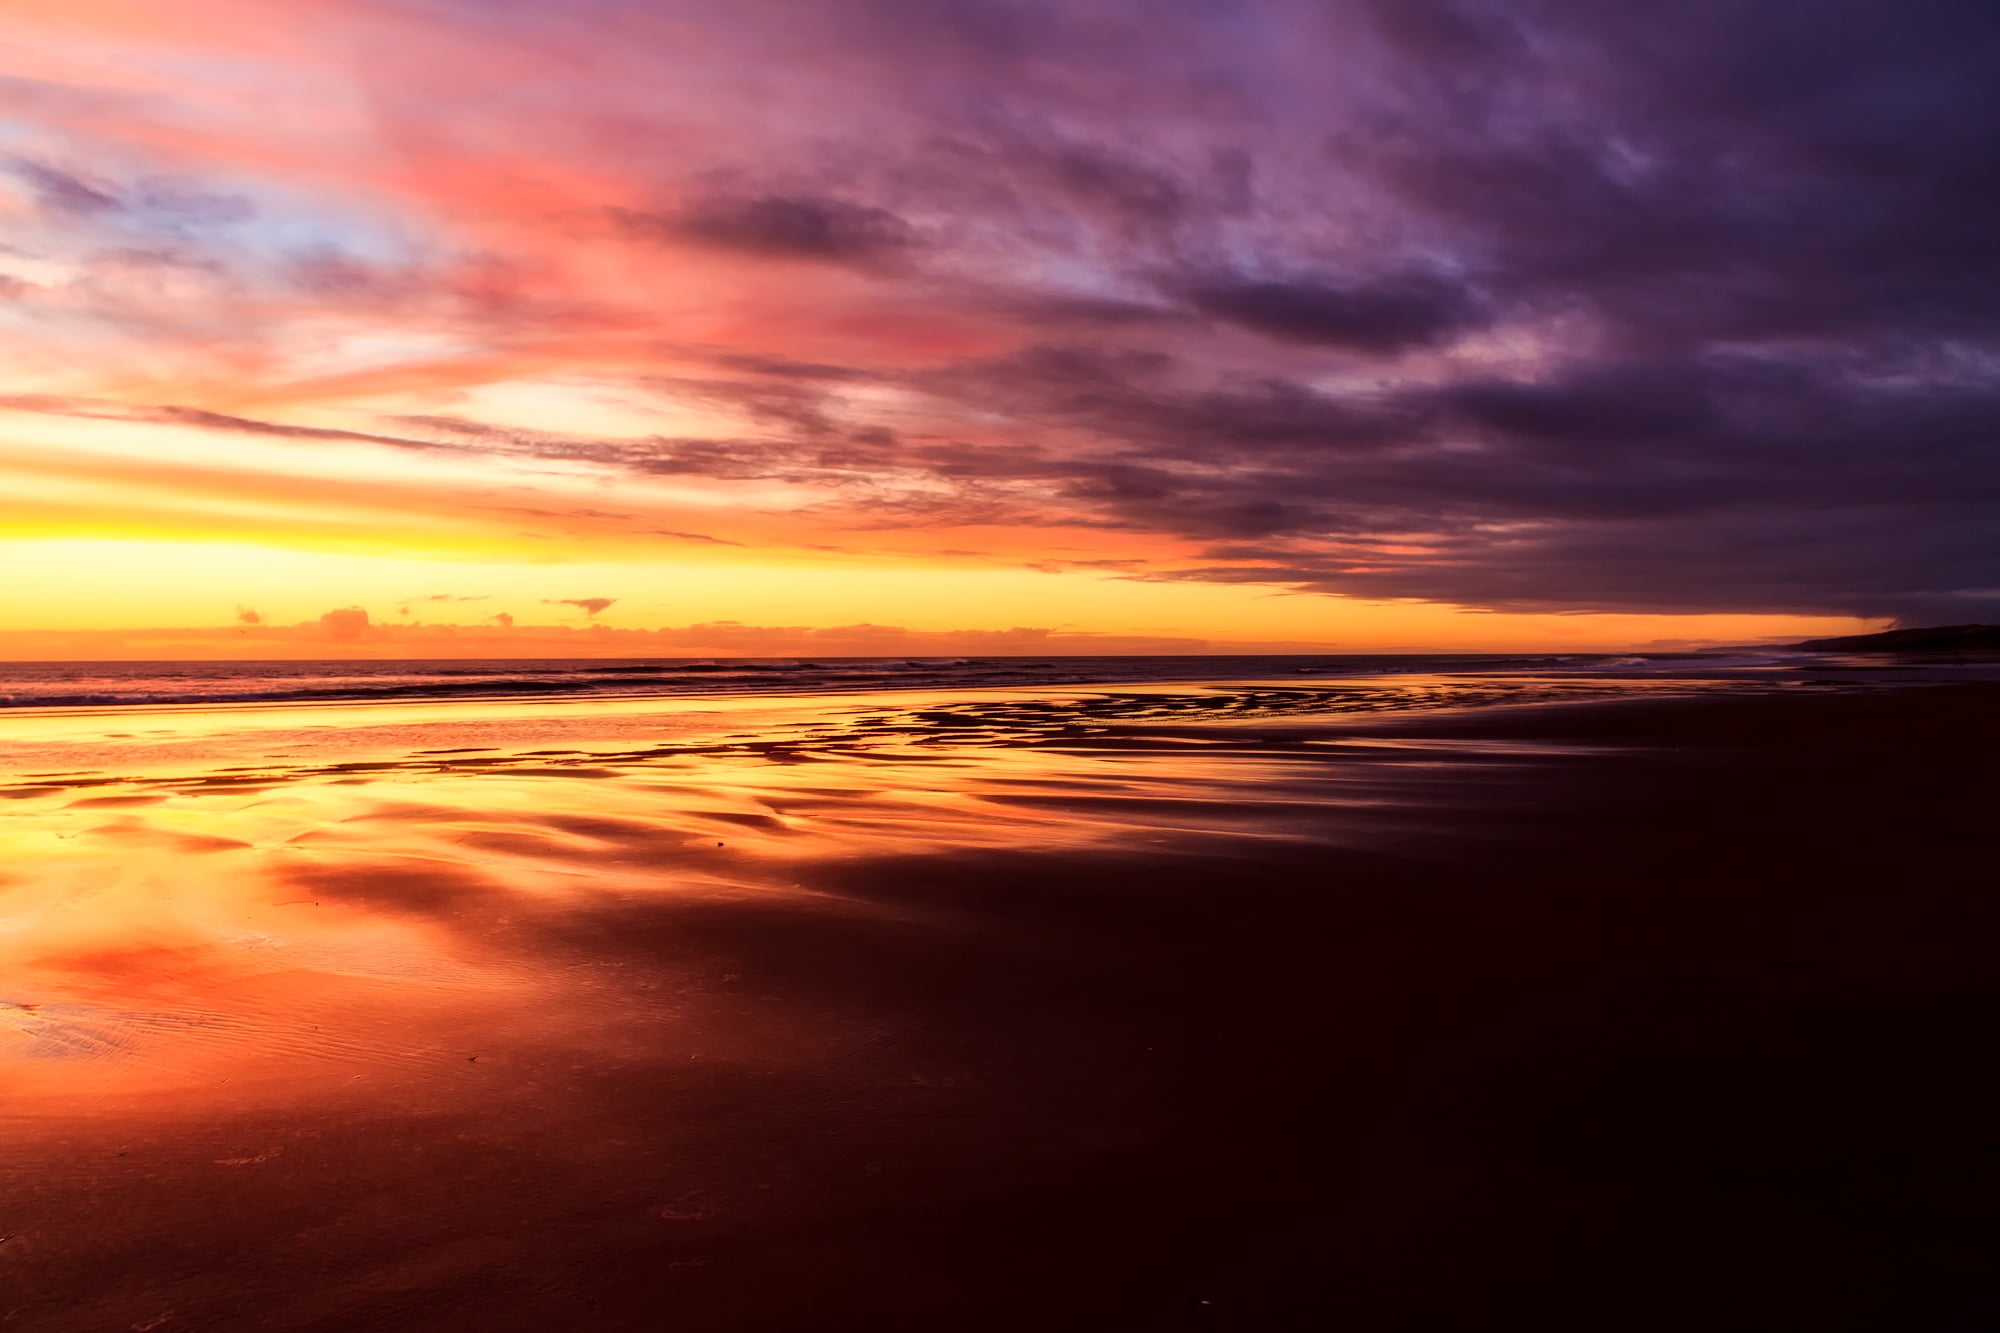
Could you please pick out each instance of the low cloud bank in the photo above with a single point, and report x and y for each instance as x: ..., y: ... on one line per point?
x: 348, y: 632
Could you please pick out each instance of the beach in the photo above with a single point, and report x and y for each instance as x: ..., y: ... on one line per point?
x: 1428, y: 1002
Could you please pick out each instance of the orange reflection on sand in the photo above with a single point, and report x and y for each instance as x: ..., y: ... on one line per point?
x: 244, y: 907
x: 150, y: 950
x: 169, y: 949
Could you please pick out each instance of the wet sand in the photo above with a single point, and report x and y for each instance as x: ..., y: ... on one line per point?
x: 1639, y: 1006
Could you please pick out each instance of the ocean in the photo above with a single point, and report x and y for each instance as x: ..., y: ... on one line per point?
x: 45, y: 685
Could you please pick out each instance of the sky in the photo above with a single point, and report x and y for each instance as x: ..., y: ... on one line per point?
x: 398, y: 327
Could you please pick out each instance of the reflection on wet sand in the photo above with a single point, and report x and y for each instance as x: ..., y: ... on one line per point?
x: 294, y: 925
x: 416, y: 998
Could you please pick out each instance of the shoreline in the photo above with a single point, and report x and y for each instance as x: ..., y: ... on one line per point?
x: 324, y: 717
x: 31, y: 688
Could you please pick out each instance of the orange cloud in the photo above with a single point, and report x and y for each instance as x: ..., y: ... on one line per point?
x: 347, y: 622
x: 590, y: 606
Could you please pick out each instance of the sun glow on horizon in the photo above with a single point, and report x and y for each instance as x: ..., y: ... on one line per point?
x: 196, y: 592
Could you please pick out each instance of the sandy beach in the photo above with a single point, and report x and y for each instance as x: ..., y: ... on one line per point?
x: 1430, y: 1003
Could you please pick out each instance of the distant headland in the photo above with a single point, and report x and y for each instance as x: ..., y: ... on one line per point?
x: 1935, y: 639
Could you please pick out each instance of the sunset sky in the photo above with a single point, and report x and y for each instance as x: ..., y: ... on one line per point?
x: 628, y: 326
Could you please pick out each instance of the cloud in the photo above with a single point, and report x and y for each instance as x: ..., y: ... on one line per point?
x: 693, y: 537
x: 1379, y: 316
x: 247, y: 616
x: 403, y: 608
x: 781, y: 227
x: 590, y: 606
x: 504, y: 638
x: 1499, y: 303
x: 168, y: 415
x: 347, y: 622
x: 61, y: 192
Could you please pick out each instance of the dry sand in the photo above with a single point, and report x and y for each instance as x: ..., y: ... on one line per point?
x: 1169, y: 1008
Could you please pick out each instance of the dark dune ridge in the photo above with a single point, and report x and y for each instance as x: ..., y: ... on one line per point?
x: 1176, y: 1011
x: 1931, y: 639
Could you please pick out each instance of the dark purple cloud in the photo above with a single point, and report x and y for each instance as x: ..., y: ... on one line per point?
x: 64, y: 193
x: 1709, y: 296
x: 1529, y: 304
x: 1380, y: 315
x: 782, y: 227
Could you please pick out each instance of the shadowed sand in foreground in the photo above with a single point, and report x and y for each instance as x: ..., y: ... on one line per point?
x: 1633, y: 1006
